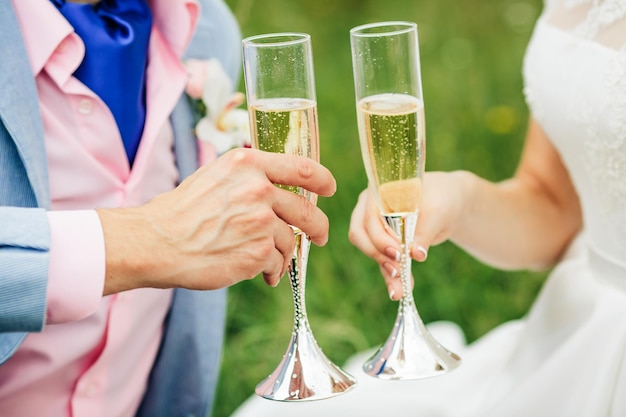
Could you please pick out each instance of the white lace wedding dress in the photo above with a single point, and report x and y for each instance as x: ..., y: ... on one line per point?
x: 567, y: 357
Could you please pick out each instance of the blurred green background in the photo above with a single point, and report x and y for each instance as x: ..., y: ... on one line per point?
x: 471, y: 59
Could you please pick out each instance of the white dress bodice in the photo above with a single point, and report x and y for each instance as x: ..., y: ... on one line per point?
x: 575, y: 78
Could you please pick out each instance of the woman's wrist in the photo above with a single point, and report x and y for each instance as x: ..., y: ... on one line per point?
x: 467, y: 185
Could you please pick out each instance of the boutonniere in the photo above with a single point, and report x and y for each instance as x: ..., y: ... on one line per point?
x: 220, y: 124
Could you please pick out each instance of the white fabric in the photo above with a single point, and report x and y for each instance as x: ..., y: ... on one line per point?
x: 567, y: 356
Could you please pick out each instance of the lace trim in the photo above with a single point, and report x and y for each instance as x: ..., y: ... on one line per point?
x: 605, y: 145
x: 601, y: 14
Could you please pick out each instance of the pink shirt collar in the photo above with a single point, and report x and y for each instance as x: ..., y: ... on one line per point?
x: 47, y: 30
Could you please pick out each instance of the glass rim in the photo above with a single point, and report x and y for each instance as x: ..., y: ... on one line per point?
x: 276, y: 39
x: 396, y: 27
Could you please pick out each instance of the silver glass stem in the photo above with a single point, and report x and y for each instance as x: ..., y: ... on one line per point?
x: 410, y: 352
x: 404, y: 228
x: 304, y: 373
x: 297, y: 279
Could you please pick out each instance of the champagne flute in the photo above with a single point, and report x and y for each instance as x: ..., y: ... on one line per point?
x: 282, y: 107
x: 390, y: 111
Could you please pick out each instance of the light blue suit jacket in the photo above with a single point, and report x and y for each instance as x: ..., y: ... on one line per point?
x: 183, y: 379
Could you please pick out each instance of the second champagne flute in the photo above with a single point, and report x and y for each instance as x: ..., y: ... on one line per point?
x: 390, y: 112
x: 280, y: 89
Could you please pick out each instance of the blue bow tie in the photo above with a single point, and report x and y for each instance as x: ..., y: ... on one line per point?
x: 116, y: 35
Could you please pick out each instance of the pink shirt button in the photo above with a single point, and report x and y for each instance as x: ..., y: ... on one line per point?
x: 85, y: 106
x: 88, y: 389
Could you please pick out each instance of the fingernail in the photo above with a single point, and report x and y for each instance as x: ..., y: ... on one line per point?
x: 393, y: 253
x: 393, y: 272
x: 423, y: 250
x: 274, y: 284
x: 391, y: 294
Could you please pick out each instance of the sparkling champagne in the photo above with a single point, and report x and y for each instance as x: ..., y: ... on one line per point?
x: 289, y: 126
x: 391, y: 127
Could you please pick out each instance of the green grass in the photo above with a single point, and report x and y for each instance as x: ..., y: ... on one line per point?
x: 471, y: 58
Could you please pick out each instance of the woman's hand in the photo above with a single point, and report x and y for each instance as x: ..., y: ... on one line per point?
x: 525, y: 222
x: 443, y: 202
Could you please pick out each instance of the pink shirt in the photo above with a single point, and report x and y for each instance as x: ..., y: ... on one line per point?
x: 95, y: 353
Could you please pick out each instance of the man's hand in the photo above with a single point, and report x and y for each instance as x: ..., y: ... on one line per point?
x: 225, y: 223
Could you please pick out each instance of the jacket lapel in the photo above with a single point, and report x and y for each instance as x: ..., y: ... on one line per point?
x: 19, y: 107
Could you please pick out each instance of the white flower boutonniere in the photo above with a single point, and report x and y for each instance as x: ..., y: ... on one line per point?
x: 220, y: 124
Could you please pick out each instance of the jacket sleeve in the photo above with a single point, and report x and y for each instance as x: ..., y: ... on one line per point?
x: 24, y: 245
x: 24, y: 231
